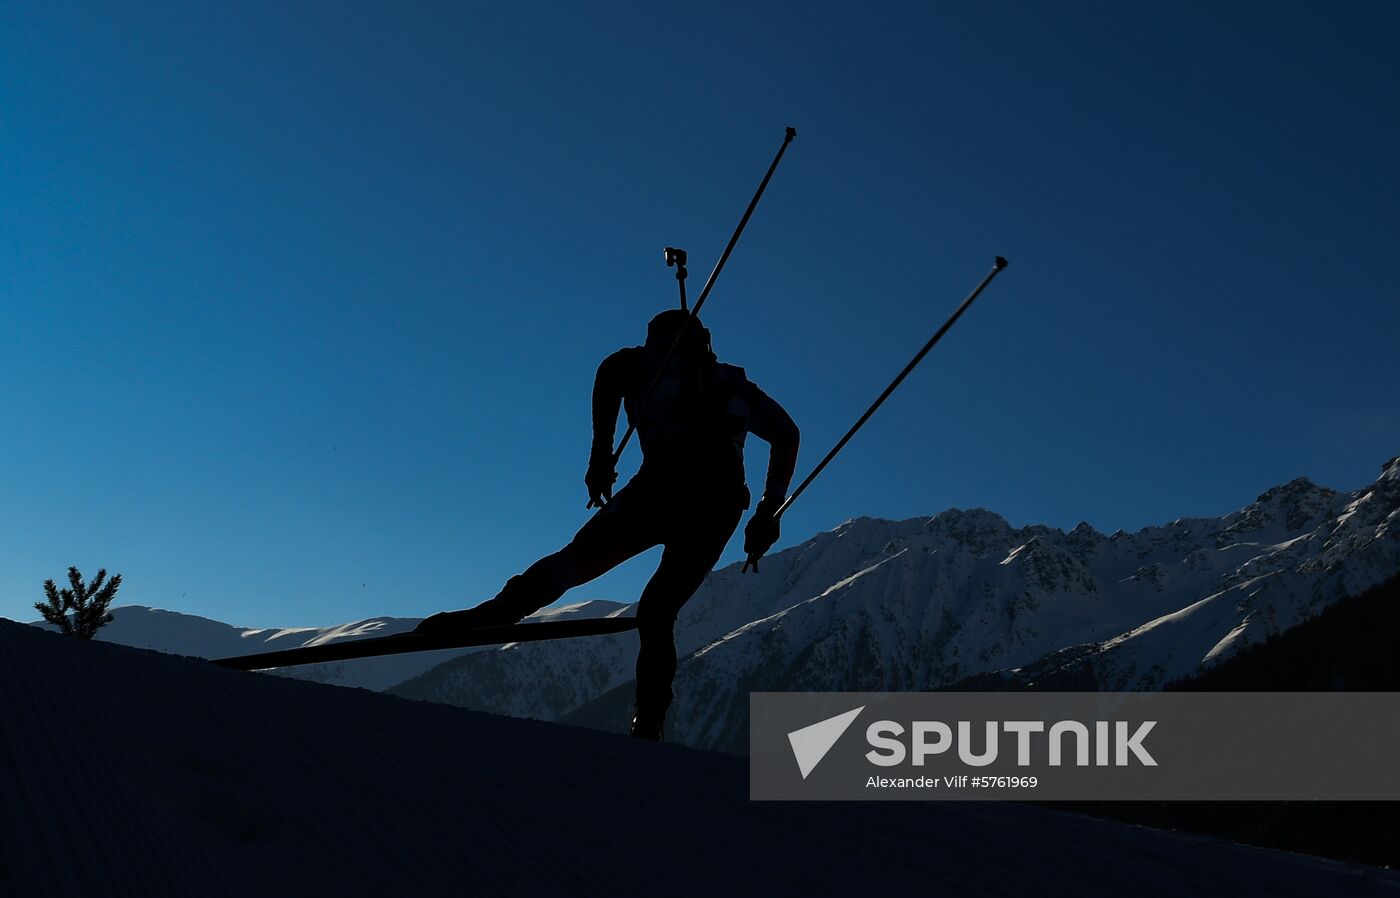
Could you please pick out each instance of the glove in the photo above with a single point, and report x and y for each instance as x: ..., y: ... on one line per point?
x: 599, y: 480
x: 761, y: 532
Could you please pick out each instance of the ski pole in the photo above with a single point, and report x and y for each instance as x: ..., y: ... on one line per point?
x: 918, y: 357
x: 709, y: 283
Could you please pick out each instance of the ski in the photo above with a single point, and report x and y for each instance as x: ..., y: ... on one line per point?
x: 401, y: 643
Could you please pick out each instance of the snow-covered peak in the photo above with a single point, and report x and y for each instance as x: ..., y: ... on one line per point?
x: 1290, y: 507
x: 1084, y: 532
x: 976, y: 528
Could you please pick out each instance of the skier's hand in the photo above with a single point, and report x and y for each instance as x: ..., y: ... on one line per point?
x: 599, y: 480
x: 761, y: 532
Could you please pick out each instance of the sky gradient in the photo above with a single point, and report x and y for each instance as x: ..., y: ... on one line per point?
x: 300, y: 307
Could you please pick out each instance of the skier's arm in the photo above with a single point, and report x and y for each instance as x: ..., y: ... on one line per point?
x: 609, y: 385
x: 608, y: 388
x: 768, y: 421
x: 771, y: 423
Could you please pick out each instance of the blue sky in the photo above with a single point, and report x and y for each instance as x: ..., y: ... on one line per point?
x: 300, y: 304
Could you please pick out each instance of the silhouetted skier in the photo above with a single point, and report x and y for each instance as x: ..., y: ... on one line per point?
x: 687, y: 496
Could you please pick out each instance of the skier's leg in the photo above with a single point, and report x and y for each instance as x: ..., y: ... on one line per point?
x: 614, y: 534
x: 685, y: 563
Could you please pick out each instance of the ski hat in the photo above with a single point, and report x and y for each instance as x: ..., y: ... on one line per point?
x: 664, y: 328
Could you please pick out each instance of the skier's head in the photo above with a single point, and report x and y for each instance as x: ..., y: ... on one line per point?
x: 664, y: 328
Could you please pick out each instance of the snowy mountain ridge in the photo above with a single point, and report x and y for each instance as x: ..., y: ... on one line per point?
x: 926, y: 602
x: 916, y: 604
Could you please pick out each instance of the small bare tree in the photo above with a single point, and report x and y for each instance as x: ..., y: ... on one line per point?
x: 87, y: 602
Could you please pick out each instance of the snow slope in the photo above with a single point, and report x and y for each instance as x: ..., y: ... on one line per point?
x: 131, y: 772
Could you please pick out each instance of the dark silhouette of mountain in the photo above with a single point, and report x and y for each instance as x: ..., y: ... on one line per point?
x: 1351, y: 646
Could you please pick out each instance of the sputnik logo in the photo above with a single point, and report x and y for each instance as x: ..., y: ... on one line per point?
x: 811, y: 743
